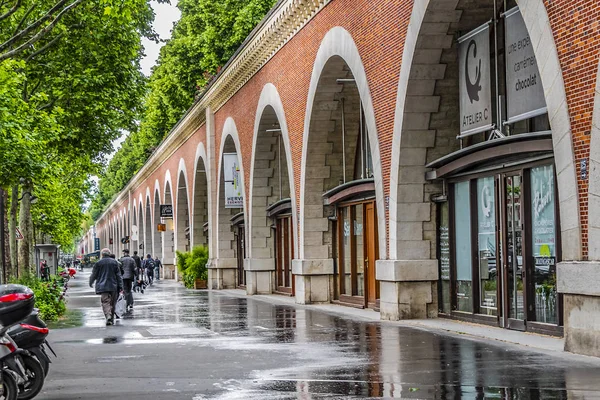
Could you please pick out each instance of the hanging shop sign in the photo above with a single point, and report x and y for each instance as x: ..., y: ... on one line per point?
x: 475, y: 82
x: 233, y: 185
x: 96, y: 244
x: 524, y: 91
x: 161, y: 227
x: 134, y: 233
x: 166, y: 211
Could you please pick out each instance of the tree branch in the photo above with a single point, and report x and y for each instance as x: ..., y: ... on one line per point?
x: 11, y: 11
x: 34, y: 25
x: 24, y: 18
x: 45, y: 47
x: 40, y: 34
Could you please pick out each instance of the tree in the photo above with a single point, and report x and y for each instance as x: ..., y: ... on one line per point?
x: 67, y: 98
x: 205, y: 37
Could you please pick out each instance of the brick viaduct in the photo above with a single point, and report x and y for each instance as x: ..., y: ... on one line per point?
x: 391, y: 67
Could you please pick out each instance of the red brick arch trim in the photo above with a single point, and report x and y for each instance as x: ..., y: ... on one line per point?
x: 339, y: 42
x: 538, y: 25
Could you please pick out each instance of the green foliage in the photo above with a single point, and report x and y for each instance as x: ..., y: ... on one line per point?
x: 64, y: 99
x: 205, y: 37
x: 49, y: 296
x: 192, y: 265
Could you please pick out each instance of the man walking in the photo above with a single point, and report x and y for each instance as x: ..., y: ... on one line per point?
x: 109, y: 283
x: 157, y: 265
x: 137, y: 259
x: 129, y: 270
x: 149, y: 266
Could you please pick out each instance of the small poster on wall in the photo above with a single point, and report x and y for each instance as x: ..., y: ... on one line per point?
x: 233, y: 188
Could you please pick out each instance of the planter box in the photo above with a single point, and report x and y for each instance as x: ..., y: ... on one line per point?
x: 200, y: 284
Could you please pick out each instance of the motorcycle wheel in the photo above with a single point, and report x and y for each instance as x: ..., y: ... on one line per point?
x: 35, y: 378
x: 10, y: 391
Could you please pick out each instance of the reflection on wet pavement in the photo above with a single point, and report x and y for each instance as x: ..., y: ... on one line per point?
x: 299, y: 353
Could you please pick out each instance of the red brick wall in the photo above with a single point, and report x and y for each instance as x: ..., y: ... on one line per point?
x: 379, y: 29
x: 576, y: 28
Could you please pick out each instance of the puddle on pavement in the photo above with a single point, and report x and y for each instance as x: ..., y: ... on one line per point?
x: 73, y: 318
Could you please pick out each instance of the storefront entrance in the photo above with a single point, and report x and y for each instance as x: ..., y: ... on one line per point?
x: 357, y: 244
x: 239, y: 233
x: 284, y: 255
x: 510, y: 217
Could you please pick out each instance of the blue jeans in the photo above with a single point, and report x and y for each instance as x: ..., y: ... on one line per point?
x: 157, y: 269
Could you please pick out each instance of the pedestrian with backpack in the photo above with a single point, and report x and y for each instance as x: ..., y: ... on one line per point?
x: 157, y: 265
x: 149, y: 267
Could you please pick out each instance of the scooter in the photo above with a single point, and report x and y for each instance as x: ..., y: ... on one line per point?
x: 30, y: 334
x: 16, y: 303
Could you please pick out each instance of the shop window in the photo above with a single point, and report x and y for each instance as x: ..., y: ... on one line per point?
x: 462, y: 250
x: 444, y: 258
x: 486, y: 245
x: 543, y: 243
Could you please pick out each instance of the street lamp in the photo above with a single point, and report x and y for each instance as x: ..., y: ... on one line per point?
x: 32, y: 198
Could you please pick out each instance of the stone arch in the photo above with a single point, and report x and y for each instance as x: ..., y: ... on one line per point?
x: 148, y: 224
x: 223, y: 274
x: 594, y: 180
x: 201, y: 198
x: 168, y: 237
x: 425, y: 128
x: 157, y: 239
x: 337, y: 47
x: 134, y: 222
x: 182, y: 212
x: 270, y: 111
x: 271, y: 180
x: 417, y: 103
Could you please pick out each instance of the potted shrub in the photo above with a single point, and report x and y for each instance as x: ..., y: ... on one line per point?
x: 192, y: 266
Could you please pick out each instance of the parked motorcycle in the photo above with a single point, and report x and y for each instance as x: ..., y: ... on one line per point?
x: 30, y: 334
x: 16, y: 304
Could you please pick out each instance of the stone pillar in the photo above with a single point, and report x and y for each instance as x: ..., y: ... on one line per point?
x: 260, y: 275
x: 222, y: 273
x: 579, y: 284
x: 314, y: 280
x: 408, y: 289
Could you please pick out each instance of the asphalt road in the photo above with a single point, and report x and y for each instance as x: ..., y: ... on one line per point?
x: 185, y: 344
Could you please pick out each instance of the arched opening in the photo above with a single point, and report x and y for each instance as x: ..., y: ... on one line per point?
x: 183, y: 215
x: 134, y: 239
x: 228, y: 268
x: 157, y: 238
x: 474, y: 217
x: 340, y: 225
x: 200, y: 234
x: 269, y: 267
x: 168, y: 240
x: 147, y: 244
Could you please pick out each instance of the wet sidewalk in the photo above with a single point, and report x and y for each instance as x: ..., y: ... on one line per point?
x: 184, y: 344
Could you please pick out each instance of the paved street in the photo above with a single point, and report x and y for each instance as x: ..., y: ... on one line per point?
x: 183, y: 344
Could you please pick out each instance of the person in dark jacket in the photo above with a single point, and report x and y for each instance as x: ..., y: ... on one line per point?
x: 109, y: 283
x: 149, y: 267
x: 137, y: 259
x: 129, y: 273
x: 157, y: 265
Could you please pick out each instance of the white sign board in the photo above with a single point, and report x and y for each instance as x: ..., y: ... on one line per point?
x: 524, y: 91
x: 234, y: 197
x: 134, y: 233
x: 475, y: 82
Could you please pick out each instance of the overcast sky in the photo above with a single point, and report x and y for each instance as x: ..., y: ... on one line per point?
x: 165, y: 16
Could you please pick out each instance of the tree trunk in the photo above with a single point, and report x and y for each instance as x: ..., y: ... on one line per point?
x: 3, y: 236
x: 26, y: 226
x: 12, y: 231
